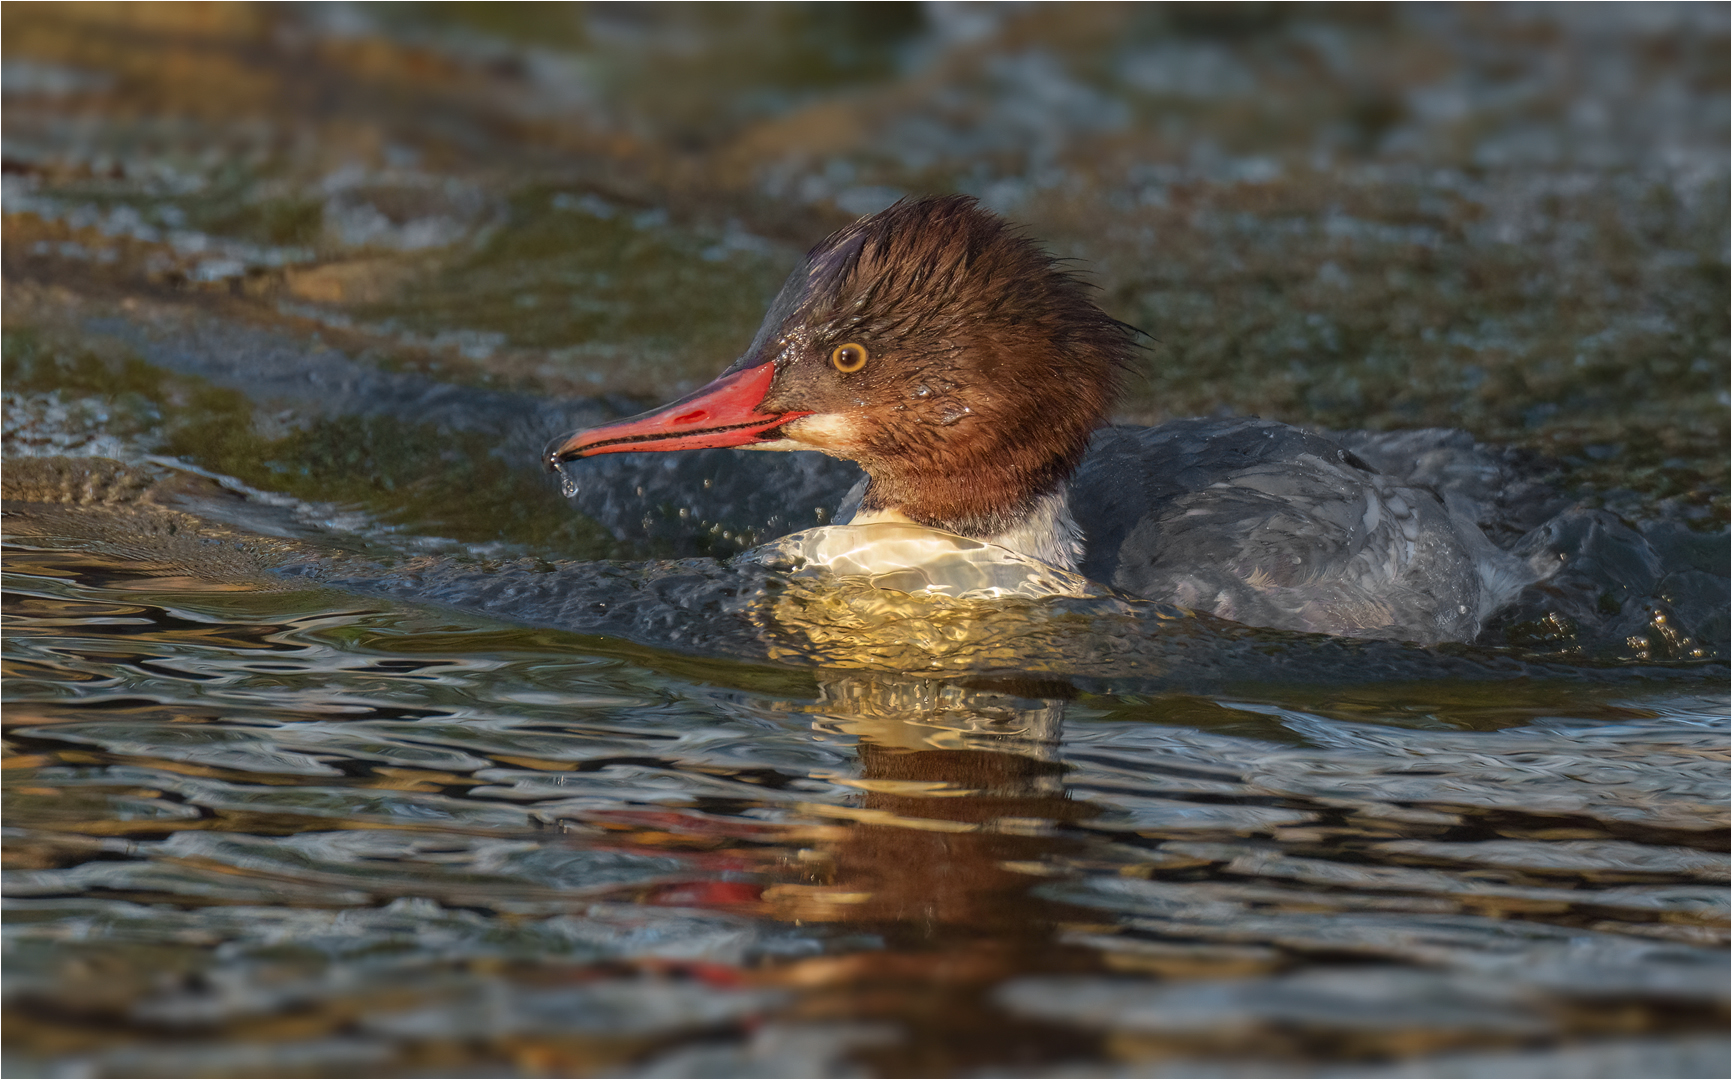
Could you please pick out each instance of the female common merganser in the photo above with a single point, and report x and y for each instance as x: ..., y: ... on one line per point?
x: 968, y: 374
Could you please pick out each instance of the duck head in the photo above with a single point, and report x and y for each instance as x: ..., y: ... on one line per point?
x: 950, y: 357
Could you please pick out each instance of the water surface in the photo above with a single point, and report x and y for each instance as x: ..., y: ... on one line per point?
x: 338, y: 742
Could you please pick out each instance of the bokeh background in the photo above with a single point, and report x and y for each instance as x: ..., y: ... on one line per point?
x: 309, y: 285
x: 1509, y: 218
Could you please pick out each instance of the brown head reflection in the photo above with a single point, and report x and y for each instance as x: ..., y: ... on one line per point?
x: 960, y: 791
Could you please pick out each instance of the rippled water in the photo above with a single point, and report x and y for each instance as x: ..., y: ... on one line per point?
x: 337, y: 742
x: 291, y: 826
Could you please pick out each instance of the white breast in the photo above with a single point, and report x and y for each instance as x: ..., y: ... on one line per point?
x: 905, y: 557
x: 1048, y: 534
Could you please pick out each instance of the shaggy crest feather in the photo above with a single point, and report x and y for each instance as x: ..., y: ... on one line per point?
x: 972, y: 329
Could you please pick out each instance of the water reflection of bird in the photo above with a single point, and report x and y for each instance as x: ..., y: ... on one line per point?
x: 961, y: 795
x: 968, y: 374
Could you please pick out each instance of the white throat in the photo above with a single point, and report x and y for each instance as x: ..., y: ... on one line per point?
x: 1048, y: 534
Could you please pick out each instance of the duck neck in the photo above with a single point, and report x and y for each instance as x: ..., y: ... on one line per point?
x: 1039, y: 526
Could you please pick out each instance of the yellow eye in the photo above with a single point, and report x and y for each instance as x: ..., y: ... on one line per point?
x: 849, y: 358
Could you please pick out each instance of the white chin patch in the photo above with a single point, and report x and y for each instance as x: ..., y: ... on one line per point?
x: 829, y: 432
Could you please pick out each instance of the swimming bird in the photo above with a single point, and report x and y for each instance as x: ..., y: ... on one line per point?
x: 969, y: 374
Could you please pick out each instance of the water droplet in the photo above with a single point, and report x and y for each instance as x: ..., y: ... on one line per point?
x: 567, y: 484
x: 922, y: 390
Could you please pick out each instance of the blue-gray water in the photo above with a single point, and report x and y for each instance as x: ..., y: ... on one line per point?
x: 338, y: 742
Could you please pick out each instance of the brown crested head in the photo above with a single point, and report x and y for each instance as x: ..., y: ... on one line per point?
x: 959, y: 364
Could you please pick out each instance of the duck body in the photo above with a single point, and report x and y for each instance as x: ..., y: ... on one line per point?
x: 1270, y: 525
x: 968, y: 375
